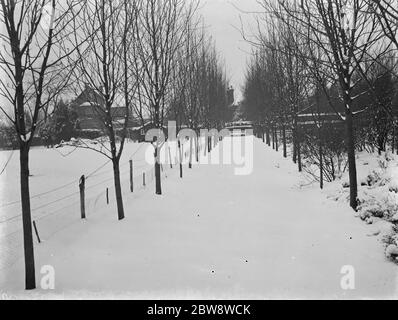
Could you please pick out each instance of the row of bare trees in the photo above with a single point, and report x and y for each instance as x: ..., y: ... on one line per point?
x: 323, y: 78
x: 149, y: 57
x: 199, y: 98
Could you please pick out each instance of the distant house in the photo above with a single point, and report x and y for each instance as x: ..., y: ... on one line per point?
x: 315, y: 119
x: 89, y: 107
x: 137, y: 133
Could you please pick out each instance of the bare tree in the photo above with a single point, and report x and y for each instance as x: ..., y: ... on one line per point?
x: 345, y: 32
x: 336, y: 43
x: 35, y: 46
x: 109, y: 81
x: 200, y: 86
x: 160, y: 30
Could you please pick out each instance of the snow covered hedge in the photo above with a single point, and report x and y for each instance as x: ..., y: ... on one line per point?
x: 378, y: 198
x: 392, y: 245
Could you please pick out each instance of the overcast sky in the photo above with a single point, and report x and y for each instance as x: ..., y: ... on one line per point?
x: 222, y: 18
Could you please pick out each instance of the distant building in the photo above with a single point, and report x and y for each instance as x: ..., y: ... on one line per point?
x: 318, y: 119
x: 238, y: 113
x: 89, y: 108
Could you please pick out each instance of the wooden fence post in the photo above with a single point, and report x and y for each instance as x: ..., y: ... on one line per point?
x: 82, y: 185
x: 180, y: 155
x: 107, y: 195
x: 131, y: 176
x: 37, y: 233
x: 143, y: 178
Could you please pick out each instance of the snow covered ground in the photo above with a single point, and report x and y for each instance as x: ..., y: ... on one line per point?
x: 54, y: 186
x: 212, y: 234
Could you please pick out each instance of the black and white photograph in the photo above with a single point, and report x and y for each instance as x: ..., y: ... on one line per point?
x: 199, y: 150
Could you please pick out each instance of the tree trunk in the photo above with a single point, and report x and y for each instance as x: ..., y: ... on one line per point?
x: 273, y: 138
x: 396, y: 138
x: 294, y: 145
x: 118, y: 189
x: 158, y: 172
x: 320, y: 159
x: 276, y: 140
x: 284, y: 141
x: 197, y: 149
x: 30, y: 279
x: 190, y: 152
x: 333, y: 169
x: 268, y: 137
x: 351, y: 160
x: 380, y: 145
x: 298, y: 149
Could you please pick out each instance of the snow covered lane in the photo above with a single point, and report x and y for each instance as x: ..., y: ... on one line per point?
x: 217, y: 235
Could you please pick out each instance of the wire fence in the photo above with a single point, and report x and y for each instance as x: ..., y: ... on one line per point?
x: 59, y: 208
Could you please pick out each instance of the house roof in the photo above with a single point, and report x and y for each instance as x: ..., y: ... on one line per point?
x: 88, y: 97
